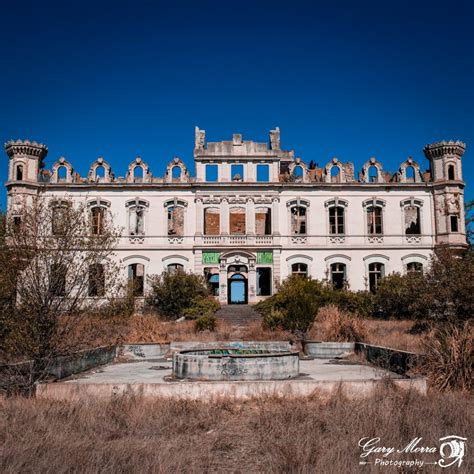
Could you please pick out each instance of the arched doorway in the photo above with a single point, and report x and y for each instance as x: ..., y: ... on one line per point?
x: 237, y: 289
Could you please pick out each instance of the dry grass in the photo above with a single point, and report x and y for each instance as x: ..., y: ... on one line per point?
x: 267, y: 435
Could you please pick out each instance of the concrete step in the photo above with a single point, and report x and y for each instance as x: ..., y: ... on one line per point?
x: 238, y: 314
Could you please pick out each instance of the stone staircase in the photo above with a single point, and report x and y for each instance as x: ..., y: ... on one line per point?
x: 238, y: 314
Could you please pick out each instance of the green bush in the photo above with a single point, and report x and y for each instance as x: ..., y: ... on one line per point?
x: 207, y: 322
x: 172, y: 292
x: 274, y: 319
x: 201, y: 307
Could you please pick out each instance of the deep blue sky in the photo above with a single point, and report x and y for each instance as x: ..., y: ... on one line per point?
x: 347, y: 79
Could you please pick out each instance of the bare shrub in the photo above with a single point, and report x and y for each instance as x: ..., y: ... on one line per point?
x: 449, y: 357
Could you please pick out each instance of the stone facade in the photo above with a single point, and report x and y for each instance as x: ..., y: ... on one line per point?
x: 254, y: 213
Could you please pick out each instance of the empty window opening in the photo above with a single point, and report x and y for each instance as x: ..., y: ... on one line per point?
x: 414, y: 267
x: 212, y: 219
x: 138, y: 174
x: 57, y: 279
x: 19, y: 173
x: 99, y: 173
x: 212, y: 278
x: 374, y: 220
x: 237, y: 172
x: 298, y: 220
x: 373, y: 174
x: 412, y: 220
x: 338, y: 275
x: 98, y: 220
x: 176, y: 173
x: 454, y: 223
x: 451, y: 175
x: 237, y: 221
x: 300, y: 269
x: 176, y: 220
x: 16, y: 222
x: 376, y: 273
x: 136, y: 278
x: 137, y: 221
x: 212, y: 172
x: 298, y: 172
x: 175, y: 267
x: 410, y: 174
x: 96, y: 280
x: 263, y: 173
x: 263, y: 221
x: 59, y: 220
x: 264, y: 281
x: 335, y: 174
x: 336, y: 220
x: 62, y: 173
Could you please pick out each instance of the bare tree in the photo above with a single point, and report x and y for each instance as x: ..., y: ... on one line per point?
x: 58, y: 266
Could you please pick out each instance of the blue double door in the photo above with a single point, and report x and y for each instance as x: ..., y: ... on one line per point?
x: 237, y: 289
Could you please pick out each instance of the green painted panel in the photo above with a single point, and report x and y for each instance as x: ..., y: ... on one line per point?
x: 265, y: 257
x: 210, y: 258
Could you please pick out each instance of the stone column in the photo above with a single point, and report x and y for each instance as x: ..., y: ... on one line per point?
x: 199, y: 217
x: 224, y: 172
x: 252, y: 283
x: 224, y: 218
x: 276, y: 270
x: 251, y: 172
x: 223, y: 282
x: 250, y: 217
x: 276, y: 216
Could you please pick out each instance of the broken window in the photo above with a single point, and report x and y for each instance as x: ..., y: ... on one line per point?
x: 19, y: 173
x: 454, y: 223
x: 237, y: 221
x: 176, y: 173
x: 175, y: 267
x: 410, y: 174
x: 16, y: 223
x: 263, y: 221
x: 212, y: 219
x: 98, y: 220
x: 374, y: 220
x: 264, y: 281
x: 212, y: 278
x: 412, y: 220
x: 99, y: 173
x: 263, y: 173
x: 58, y: 220
x: 176, y: 220
x: 138, y: 174
x: 136, y: 278
x: 336, y: 220
x: 300, y: 269
x: 62, y: 174
x: 298, y: 173
x: 451, y: 175
x: 57, y: 279
x: 212, y: 173
x: 414, y: 267
x: 376, y: 273
x: 96, y: 280
x: 373, y: 174
x: 335, y: 174
x: 137, y: 220
x: 298, y: 220
x: 338, y: 275
x: 237, y: 172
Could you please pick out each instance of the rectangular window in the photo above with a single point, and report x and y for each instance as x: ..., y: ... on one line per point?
x: 212, y: 219
x: 336, y: 220
x: 98, y: 215
x: 237, y: 172
x: 176, y: 220
x: 237, y: 221
x: 374, y: 220
x: 96, y: 280
x: 263, y: 221
x: 412, y: 220
x: 212, y: 173
x: 263, y: 173
x: 264, y: 281
x: 454, y: 224
x: 298, y: 220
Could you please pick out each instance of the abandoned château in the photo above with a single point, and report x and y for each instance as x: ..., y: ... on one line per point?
x: 253, y: 213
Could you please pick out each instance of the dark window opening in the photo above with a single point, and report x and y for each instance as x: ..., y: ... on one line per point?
x: 175, y: 267
x: 451, y: 175
x: 414, y: 267
x: 264, y: 281
x: 212, y: 280
x: 376, y: 273
x: 374, y: 220
x: 338, y: 275
x: 59, y: 220
x: 336, y: 220
x: 300, y: 269
x: 57, y: 281
x: 454, y: 224
x: 96, y: 280
x: 19, y: 173
x: 136, y: 278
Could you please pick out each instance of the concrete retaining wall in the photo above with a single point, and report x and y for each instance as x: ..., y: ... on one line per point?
x: 327, y: 350
x: 395, y: 360
x: 143, y: 351
x: 272, y: 346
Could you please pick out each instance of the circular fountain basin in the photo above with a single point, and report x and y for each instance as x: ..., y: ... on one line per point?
x: 235, y: 364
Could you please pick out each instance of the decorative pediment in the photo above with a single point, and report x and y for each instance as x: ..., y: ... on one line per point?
x: 93, y: 175
x: 133, y: 175
x: 176, y: 171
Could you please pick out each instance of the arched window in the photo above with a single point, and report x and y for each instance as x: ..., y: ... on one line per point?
x: 99, y: 173
x: 136, y: 278
x: 176, y: 173
x: 138, y: 174
x: 338, y: 275
x: 374, y: 220
x: 62, y: 174
x: 298, y: 220
x: 298, y: 172
x: 376, y: 273
x: 336, y: 220
x: 263, y: 173
x: 98, y: 220
x: 412, y: 220
x: 237, y: 221
x: 335, y: 174
x: 175, y: 267
x: 414, y: 267
x: 410, y: 174
x: 19, y: 172
x: 96, y: 280
x: 373, y: 174
x: 451, y: 174
x: 300, y: 269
